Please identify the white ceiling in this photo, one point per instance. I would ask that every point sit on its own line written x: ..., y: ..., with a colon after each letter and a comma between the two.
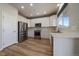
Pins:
x: 37, y: 9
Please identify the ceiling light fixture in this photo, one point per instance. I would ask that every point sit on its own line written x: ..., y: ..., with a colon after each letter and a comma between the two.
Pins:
x: 22, y: 7
x: 31, y: 4
x: 44, y: 12
x: 58, y: 5
x: 37, y: 13
x: 31, y: 14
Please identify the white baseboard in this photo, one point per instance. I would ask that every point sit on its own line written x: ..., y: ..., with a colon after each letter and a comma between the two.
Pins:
x: 16, y: 42
x: 7, y: 46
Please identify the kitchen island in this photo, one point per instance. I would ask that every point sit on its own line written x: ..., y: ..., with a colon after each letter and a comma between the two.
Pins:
x: 65, y: 44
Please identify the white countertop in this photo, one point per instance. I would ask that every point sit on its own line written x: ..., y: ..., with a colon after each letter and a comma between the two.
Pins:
x: 66, y: 35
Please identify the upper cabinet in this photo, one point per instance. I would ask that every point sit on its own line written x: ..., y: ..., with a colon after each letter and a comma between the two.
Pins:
x: 53, y: 20
x: 23, y: 19
x: 44, y: 22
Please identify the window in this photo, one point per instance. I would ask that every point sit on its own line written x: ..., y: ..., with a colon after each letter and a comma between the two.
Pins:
x: 60, y: 21
x: 63, y: 21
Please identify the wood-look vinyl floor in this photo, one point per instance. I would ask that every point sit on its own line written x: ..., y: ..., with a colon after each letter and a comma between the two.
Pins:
x: 30, y: 47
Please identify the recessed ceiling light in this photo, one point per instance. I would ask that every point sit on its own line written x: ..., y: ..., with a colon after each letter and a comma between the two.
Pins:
x: 37, y: 13
x: 22, y: 7
x: 58, y: 5
x: 31, y: 4
x: 44, y: 12
x: 31, y: 14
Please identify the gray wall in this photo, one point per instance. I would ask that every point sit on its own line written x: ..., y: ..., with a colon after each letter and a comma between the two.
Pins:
x: 73, y: 13
x: 72, y: 10
x: 69, y: 46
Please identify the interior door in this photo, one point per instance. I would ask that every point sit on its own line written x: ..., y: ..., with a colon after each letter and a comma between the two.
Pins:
x: 9, y: 30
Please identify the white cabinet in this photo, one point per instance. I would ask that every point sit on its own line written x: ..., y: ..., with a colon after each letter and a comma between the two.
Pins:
x: 29, y: 23
x: 23, y: 19
x: 65, y: 44
x: 32, y: 23
x: 53, y: 20
x: 44, y: 22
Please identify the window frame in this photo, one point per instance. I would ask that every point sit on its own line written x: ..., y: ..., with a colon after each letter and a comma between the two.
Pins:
x: 62, y: 23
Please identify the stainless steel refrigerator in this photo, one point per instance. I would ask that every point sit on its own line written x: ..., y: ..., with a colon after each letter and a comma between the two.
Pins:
x: 22, y: 31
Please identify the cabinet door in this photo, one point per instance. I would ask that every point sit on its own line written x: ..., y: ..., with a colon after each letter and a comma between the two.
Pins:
x: 9, y: 30
x: 53, y: 21
x: 45, y: 22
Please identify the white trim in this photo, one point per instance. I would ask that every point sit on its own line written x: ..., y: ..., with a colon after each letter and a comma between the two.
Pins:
x: 61, y: 5
x: 7, y: 46
x: 16, y: 42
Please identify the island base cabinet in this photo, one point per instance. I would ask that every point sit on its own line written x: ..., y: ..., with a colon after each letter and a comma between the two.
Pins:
x: 66, y: 47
